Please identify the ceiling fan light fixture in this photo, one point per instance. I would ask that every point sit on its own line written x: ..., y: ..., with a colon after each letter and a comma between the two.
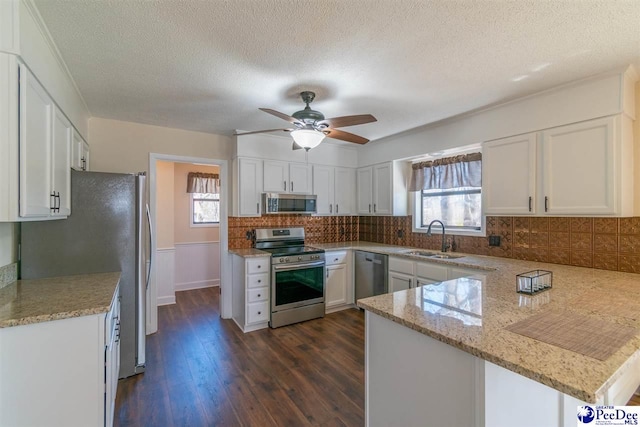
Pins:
x: 307, y: 138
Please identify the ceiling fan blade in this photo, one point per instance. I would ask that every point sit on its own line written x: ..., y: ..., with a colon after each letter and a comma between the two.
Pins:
x: 345, y: 136
x: 282, y: 116
x: 338, y: 122
x: 263, y: 131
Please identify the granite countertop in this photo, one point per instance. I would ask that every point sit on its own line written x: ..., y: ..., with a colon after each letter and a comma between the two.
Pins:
x: 249, y: 253
x: 26, y: 302
x: 605, y: 295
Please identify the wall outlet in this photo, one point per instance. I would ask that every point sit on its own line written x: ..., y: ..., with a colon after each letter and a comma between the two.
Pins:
x: 400, y: 234
x: 494, y: 240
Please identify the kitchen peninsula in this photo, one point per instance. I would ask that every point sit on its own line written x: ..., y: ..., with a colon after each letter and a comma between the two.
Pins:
x: 435, y: 361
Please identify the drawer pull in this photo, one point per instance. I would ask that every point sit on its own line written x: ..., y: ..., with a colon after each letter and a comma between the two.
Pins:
x: 336, y: 259
x: 259, y: 280
x: 259, y: 313
x: 259, y: 266
x: 259, y: 295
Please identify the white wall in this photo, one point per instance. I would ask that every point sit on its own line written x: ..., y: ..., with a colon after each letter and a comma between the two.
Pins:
x: 587, y: 99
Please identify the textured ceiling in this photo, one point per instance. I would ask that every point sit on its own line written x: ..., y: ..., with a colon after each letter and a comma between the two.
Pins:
x: 209, y: 65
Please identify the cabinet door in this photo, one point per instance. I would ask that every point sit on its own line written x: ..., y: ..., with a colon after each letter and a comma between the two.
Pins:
x: 336, y: 287
x: 509, y: 175
x: 323, y: 188
x: 36, y: 109
x: 399, y: 281
x: 249, y: 175
x: 61, y: 166
x: 365, y: 190
x: 383, y: 189
x: 276, y: 176
x: 578, y: 168
x: 344, y: 193
x: 299, y: 178
x: 76, y: 151
x: 85, y: 156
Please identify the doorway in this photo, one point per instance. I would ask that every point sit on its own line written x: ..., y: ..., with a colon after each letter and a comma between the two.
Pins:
x: 213, y: 248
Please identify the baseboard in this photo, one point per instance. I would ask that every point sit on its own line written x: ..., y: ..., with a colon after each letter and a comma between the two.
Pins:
x: 339, y: 308
x: 166, y: 300
x: 188, y: 286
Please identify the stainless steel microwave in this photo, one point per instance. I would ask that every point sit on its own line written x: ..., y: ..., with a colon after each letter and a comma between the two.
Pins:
x: 282, y: 203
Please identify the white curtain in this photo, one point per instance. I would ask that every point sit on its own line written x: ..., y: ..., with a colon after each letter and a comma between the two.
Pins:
x: 198, y: 182
x: 450, y: 172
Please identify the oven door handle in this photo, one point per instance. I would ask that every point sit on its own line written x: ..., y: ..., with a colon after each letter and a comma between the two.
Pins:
x: 298, y: 266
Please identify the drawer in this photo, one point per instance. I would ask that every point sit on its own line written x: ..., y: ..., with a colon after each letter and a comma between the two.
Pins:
x: 257, y: 294
x: 431, y: 271
x: 258, y: 265
x: 401, y: 265
x: 257, y: 280
x: 257, y: 312
x: 331, y: 258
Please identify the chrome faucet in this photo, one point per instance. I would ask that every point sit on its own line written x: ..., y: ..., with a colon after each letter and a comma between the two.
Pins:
x: 445, y: 246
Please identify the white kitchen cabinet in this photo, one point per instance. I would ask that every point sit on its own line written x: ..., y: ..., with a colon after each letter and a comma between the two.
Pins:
x: 286, y: 177
x: 61, y: 372
x: 335, y: 190
x: 580, y: 169
x: 405, y: 273
x: 251, y: 278
x: 382, y: 189
x: 509, y: 175
x: 61, y: 164
x: 430, y: 272
x: 338, y: 286
x: 247, y: 187
x: 79, y: 153
x: 400, y: 281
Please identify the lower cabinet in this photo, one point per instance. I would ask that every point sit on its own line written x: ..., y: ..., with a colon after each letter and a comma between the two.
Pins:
x: 62, y: 372
x: 338, y: 285
x: 405, y: 273
x: 251, y: 278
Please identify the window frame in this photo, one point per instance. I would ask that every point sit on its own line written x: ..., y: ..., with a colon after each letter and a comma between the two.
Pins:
x: 417, y: 227
x: 193, y: 224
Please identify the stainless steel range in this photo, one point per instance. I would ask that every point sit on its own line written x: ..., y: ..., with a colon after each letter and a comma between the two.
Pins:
x: 297, y: 275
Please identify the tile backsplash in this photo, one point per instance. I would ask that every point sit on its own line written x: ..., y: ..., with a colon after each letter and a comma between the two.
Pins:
x: 604, y: 243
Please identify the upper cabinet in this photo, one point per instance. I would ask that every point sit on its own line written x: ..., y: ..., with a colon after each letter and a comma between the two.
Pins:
x: 286, y: 177
x: 578, y: 169
x: 382, y: 189
x: 247, y: 187
x: 509, y: 175
x: 335, y: 189
x: 79, y: 153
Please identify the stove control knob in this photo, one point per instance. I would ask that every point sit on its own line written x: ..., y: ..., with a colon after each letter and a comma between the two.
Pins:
x: 286, y: 259
x: 281, y: 260
x: 299, y: 258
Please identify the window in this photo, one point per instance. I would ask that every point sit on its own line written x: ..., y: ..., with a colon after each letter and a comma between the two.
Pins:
x: 450, y: 190
x: 458, y: 208
x: 205, y: 209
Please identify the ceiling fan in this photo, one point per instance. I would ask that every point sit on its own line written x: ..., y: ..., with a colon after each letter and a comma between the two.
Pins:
x: 311, y: 127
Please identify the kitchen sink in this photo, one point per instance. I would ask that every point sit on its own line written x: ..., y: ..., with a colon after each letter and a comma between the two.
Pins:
x: 428, y: 254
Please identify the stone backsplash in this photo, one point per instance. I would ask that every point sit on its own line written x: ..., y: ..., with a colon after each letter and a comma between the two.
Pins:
x: 604, y: 243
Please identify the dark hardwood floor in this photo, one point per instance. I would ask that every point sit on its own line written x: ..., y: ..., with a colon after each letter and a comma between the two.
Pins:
x: 203, y: 371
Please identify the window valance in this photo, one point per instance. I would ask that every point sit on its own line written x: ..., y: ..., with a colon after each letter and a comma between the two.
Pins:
x: 464, y: 170
x: 198, y: 182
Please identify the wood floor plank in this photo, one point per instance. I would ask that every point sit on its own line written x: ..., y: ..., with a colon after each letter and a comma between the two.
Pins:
x: 204, y: 371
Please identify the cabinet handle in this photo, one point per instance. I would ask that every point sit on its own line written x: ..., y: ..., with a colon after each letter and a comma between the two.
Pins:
x: 58, y: 207
x: 258, y: 207
x: 52, y: 201
x: 374, y: 208
x: 327, y: 274
x: 546, y: 203
x: 292, y: 186
x: 285, y: 185
x: 530, y: 199
x: 369, y: 207
x: 336, y: 208
x: 330, y: 208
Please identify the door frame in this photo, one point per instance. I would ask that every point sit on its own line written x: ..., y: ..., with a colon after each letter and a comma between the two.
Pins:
x: 225, y: 271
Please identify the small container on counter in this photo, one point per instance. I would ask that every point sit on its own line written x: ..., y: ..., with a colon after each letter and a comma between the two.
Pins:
x: 534, y: 281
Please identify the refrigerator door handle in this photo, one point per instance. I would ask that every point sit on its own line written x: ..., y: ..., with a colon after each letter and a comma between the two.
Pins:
x: 150, y: 246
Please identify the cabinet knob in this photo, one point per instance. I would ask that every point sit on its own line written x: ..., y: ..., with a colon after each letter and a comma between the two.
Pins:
x: 259, y: 295
x: 336, y: 259
x: 259, y: 266
x: 259, y: 312
x: 259, y: 280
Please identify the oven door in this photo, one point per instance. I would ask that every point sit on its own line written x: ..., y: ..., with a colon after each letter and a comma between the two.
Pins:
x: 297, y: 285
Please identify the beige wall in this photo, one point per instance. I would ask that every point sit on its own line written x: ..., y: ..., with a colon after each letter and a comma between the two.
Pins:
x: 8, y: 243
x: 118, y: 146
x: 183, y: 232
x: 165, y: 203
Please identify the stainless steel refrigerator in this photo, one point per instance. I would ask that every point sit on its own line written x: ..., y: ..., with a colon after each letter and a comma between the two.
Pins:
x: 105, y: 232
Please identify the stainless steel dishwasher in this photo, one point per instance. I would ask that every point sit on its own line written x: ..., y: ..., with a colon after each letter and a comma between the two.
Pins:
x: 371, y: 274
